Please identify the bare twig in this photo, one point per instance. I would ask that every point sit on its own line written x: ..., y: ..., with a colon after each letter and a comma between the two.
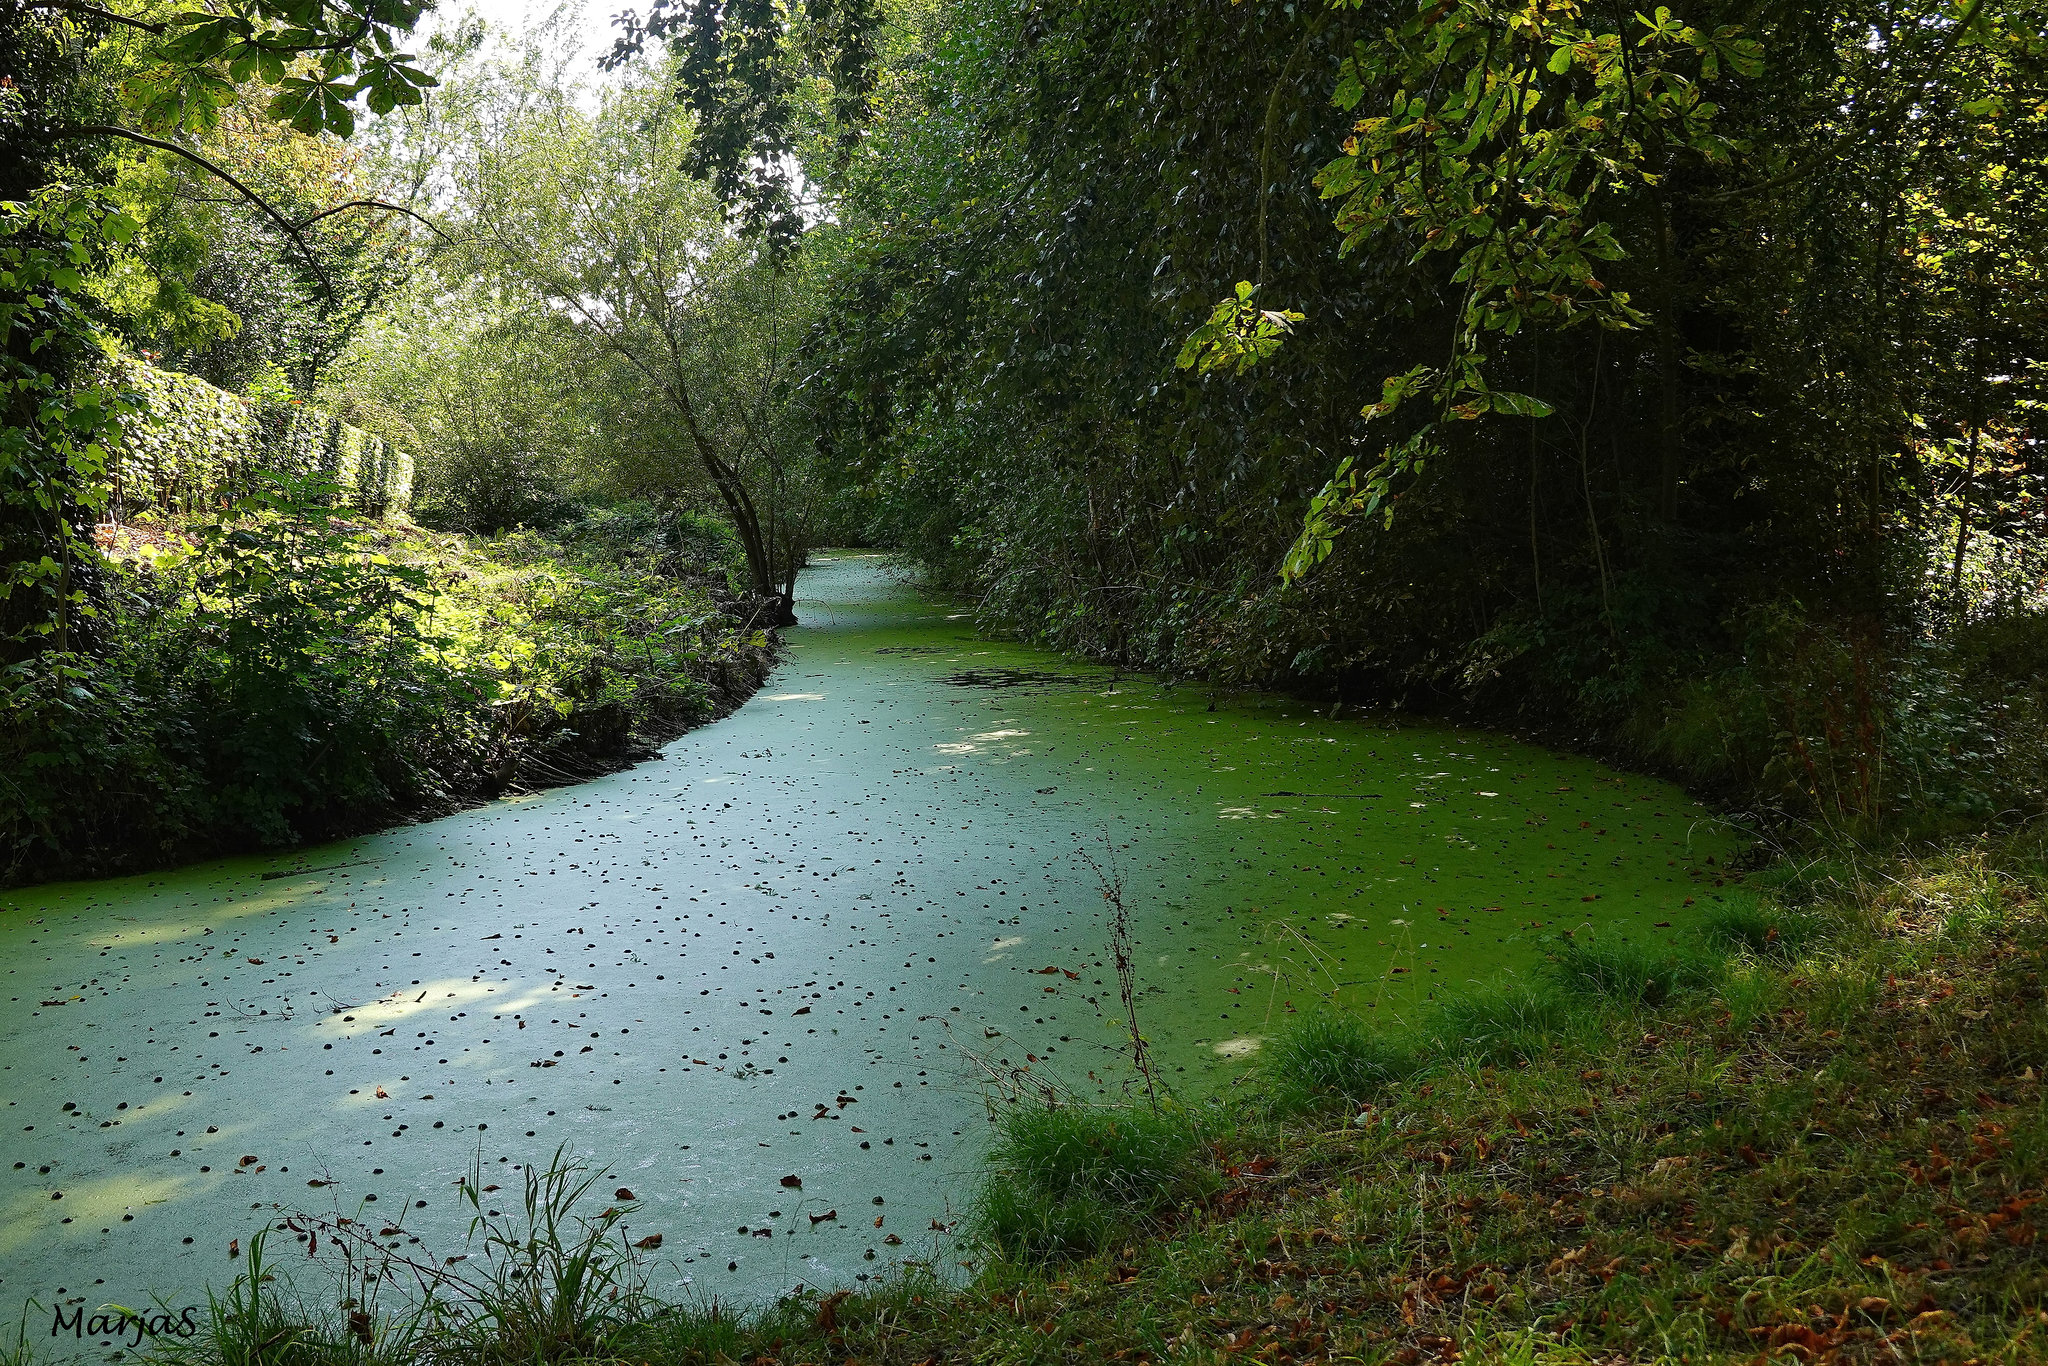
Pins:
x: 382, y: 204
x: 1109, y: 877
x: 1004, y: 1083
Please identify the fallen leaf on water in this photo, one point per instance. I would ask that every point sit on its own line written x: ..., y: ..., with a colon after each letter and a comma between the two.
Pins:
x: 831, y: 1215
x: 383, y: 1094
x: 793, y: 1182
x: 622, y: 1193
x: 257, y: 961
x: 649, y: 1243
x: 234, y: 1247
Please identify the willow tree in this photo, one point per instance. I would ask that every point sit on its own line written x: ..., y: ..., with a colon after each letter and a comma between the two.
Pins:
x: 591, y: 212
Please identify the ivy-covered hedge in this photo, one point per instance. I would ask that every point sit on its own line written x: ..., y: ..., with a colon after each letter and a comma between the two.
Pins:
x: 189, y: 444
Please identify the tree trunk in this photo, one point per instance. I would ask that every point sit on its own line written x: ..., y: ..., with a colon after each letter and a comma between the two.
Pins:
x: 1955, y: 585
x: 746, y: 521
x: 1668, y: 455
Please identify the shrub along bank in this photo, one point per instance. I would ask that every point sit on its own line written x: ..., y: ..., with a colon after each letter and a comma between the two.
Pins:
x: 285, y: 672
x: 1818, y: 1135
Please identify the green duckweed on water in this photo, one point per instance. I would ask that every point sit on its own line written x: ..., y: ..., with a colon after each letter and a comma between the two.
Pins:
x: 792, y: 947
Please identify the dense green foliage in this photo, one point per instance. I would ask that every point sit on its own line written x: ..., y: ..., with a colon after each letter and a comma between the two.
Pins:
x: 596, y: 330
x: 199, y: 650
x: 124, y: 229
x: 1679, y: 375
x: 1669, y: 379
x: 739, y: 70
x: 281, y: 673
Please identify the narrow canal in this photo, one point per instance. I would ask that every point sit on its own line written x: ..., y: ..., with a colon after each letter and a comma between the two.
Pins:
x: 794, y: 946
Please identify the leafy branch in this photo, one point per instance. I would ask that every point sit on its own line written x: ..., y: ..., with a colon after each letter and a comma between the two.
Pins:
x: 321, y: 57
x: 1238, y: 335
x: 1506, y: 129
x: 285, y: 225
x: 740, y: 65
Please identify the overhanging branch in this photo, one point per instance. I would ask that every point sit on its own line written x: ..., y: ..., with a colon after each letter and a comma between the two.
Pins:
x: 382, y: 204
x: 95, y: 12
x: 115, y: 130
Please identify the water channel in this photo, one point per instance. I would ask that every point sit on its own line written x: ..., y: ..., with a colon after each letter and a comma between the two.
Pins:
x: 793, y: 946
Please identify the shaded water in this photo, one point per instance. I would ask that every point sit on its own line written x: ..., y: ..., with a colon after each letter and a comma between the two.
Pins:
x: 792, y: 946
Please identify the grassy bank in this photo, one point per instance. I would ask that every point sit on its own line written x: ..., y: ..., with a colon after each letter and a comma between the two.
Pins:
x: 1819, y: 1136
x: 284, y: 672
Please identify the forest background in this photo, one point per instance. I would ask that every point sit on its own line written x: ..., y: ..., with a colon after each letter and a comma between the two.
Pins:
x: 1668, y: 382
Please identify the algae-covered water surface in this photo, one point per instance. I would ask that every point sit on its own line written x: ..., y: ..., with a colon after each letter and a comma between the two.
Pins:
x: 792, y: 947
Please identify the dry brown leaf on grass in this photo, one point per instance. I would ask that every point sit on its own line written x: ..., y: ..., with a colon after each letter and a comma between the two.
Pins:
x: 828, y: 1310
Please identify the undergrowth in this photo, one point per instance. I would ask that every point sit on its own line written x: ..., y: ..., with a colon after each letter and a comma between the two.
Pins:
x: 1333, y: 1057
x: 282, y: 672
x: 1073, y: 1178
